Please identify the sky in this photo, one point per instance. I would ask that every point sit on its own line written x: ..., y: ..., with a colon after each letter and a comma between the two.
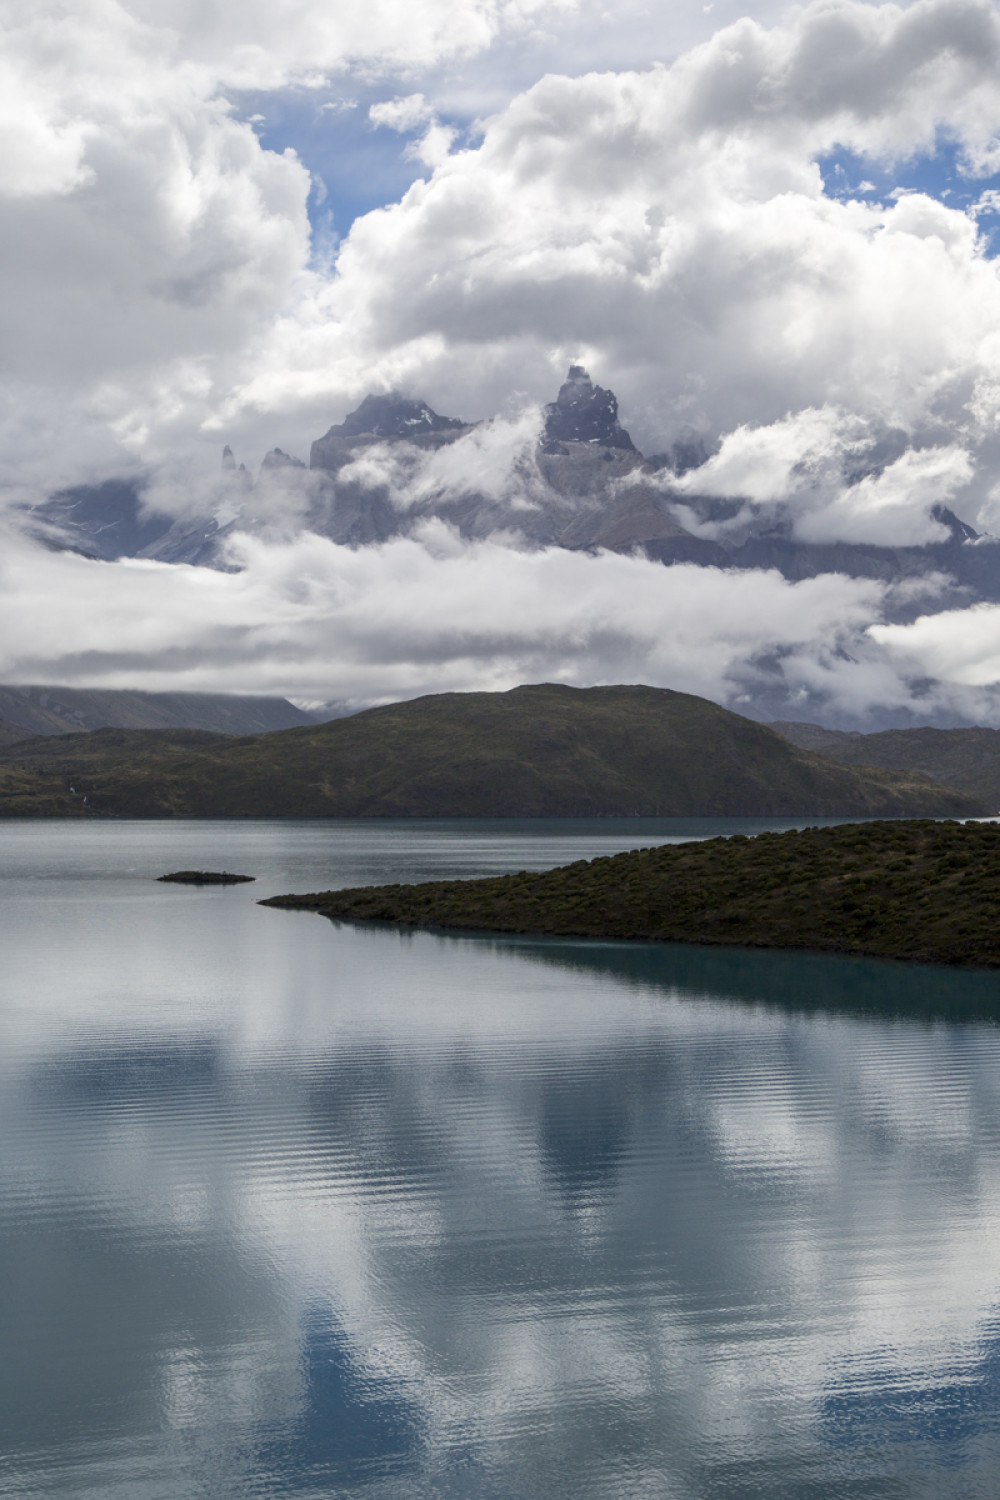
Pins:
x: 773, y: 228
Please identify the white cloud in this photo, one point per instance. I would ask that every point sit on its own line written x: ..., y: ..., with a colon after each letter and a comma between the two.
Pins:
x: 41, y: 146
x: 670, y: 228
x: 430, y: 613
x: 266, y: 43
x: 417, y: 614
x: 403, y: 114
x: 958, y: 645
x: 892, y: 508
x: 494, y: 459
x: 409, y: 114
x: 800, y: 470
x: 764, y: 464
x: 986, y: 203
x: 149, y: 240
x: 666, y: 225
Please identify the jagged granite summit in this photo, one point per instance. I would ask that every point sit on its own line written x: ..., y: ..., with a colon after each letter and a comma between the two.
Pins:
x: 584, y: 413
x: 585, y: 485
x: 391, y: 416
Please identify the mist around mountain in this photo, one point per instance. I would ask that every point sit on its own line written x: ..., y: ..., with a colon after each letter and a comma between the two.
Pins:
x: 811, y: 554
x: 567, y: 477
x: 542, y: 750
x: 576, y: 481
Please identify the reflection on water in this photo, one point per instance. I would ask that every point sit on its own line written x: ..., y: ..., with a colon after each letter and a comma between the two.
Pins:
x: 292, y: 1208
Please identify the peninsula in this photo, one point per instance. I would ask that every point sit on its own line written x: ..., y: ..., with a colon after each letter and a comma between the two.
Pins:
x: 909, y: 889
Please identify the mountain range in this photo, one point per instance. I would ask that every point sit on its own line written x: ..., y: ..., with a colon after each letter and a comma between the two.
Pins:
x: 581, y: 483
x: 541, y: 750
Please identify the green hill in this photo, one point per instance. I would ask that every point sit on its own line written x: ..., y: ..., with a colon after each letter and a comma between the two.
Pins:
x: 907, y: 890
x: 538, y: 751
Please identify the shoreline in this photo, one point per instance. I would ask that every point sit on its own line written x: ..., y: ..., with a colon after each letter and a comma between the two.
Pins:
x: 918, y: 891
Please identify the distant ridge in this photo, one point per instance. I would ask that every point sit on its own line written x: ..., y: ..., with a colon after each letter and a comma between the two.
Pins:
x: 39, y: 710
x: 544, y: 750
x: 967, y: 758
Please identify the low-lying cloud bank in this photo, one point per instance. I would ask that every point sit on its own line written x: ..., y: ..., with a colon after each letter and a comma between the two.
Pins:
x: 429, y: 613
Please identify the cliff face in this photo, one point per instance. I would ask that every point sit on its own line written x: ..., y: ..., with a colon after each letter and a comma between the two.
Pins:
x: 584, y: 413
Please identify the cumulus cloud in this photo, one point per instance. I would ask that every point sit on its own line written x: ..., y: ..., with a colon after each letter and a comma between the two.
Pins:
x: 670, y: 228
x: 147, y: 236
x: 150, y: 241
x: 267, y: 43
x: 402, y: 114
x: 412, y: 113
x: 666, y: 225
x: 894, y: 507
x: 958, y: 645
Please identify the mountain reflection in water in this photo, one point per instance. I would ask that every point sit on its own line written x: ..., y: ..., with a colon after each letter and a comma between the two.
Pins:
x: 296, y: 1208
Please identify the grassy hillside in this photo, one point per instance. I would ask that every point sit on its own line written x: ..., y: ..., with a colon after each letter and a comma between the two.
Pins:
x: 906, y: 890
x: 540, y: 751
x: 964, y: 758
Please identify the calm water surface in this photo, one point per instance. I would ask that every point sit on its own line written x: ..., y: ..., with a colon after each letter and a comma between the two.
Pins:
x: 293, y: 1208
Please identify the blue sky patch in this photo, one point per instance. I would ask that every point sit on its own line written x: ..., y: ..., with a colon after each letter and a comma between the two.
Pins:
x: 847, y: 174
x: 357, y: 166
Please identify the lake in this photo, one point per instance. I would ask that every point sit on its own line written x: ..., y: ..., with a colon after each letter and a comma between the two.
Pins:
x: 292, y: 1208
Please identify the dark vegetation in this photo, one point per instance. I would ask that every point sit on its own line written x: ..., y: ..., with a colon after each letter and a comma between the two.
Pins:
x: 538, y: 751
x: 965, y: 758
x: 917, y: 889
x: 206, y: 877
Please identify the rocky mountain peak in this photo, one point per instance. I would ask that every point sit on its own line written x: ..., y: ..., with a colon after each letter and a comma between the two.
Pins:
x: 959, y: 531
x: 392, y: 416
x: 279, y: 459
x: 585, y: 413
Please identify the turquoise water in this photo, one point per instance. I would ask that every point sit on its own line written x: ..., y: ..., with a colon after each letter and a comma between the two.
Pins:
x: 295, y: 1208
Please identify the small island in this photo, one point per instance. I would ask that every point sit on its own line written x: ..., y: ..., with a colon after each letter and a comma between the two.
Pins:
x: 206, y: 877
x: 917, y: 890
